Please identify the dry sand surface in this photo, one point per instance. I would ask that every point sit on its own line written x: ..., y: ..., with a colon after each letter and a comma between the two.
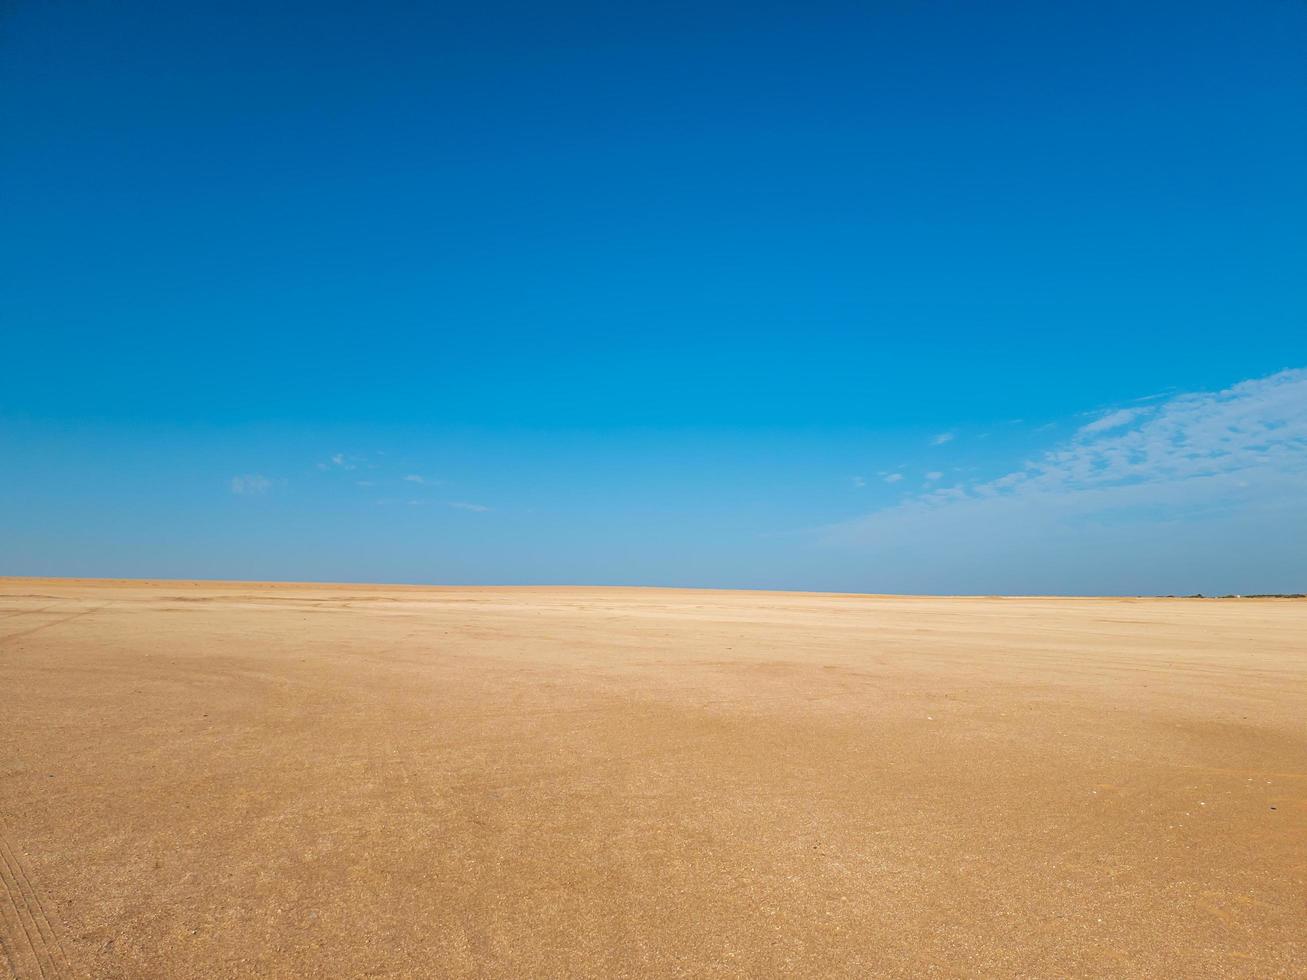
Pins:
x: 238, y: 779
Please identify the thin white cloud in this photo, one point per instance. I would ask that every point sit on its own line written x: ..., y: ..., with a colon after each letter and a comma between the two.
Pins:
x: 338, y: 461
x: 894, y: 478
x: 250, y: 484
x: 934, y: 475
x: 943, y: 437
x: 1182, y: 473
x: 464, y: 505
x: 1112, y: 420
x: 859, y: 481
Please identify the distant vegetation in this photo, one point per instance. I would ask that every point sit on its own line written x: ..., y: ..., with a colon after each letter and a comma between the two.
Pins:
x: 1260, y: 595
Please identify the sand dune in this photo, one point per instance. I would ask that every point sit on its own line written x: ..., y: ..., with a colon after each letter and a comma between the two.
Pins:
x: 243, y: 779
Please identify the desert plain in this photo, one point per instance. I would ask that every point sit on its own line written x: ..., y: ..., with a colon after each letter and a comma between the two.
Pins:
x: 203, y: 779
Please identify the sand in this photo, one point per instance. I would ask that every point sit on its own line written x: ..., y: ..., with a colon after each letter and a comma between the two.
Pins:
x: 240, y: 779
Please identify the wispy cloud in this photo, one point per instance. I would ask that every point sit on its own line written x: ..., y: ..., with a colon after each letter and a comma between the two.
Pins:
x: 464, y: 505
x: 859, y: 481
x: 934, y: 475
x: 894, y: 478
x: 1178, y: 471
x: 250, y: 484
x: 942, y: 438
x: 338, y: 461
x: 1112, y: 420
x: 424, y: 481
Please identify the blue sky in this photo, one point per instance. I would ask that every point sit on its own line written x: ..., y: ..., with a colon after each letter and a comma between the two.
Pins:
x: 657, y: 294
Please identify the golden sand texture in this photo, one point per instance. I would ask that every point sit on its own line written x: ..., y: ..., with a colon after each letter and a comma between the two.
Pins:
x: 240, y: 779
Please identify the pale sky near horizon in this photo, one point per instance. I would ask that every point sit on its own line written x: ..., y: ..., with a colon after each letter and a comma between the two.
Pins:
x: 909, y: 297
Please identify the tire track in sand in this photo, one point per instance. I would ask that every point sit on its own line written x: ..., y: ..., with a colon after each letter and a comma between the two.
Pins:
x: 54, y: 622
x: 30, y: 612
x: 31, y: 940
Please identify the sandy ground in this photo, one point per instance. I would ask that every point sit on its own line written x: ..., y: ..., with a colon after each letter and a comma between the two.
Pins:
x: 208, y: 780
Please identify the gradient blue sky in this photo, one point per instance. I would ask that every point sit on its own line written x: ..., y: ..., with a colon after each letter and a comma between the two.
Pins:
x: 931, y: 297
